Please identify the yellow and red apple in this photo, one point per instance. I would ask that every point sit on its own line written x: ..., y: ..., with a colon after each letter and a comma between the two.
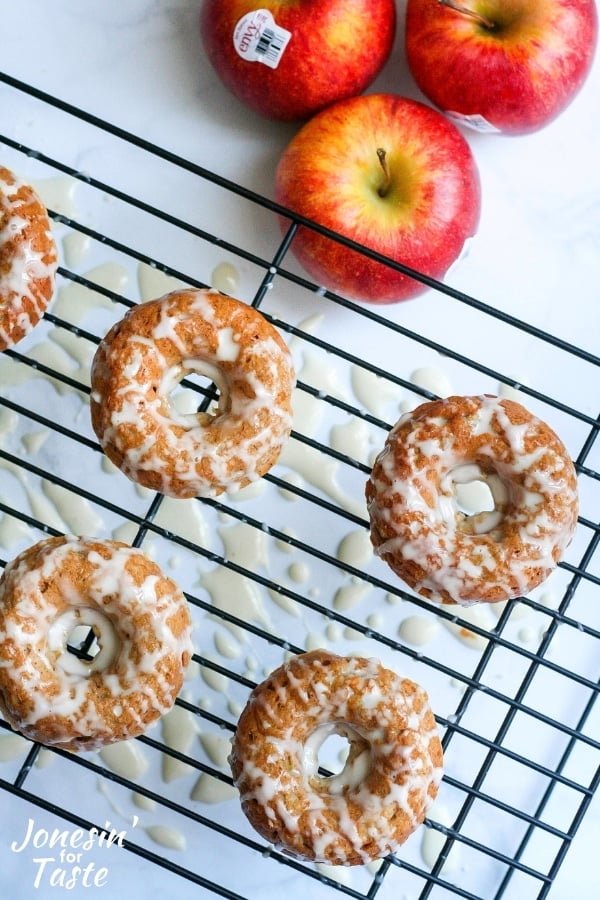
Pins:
x: 287, y: 59
x: 508, y: 66
x: 390, y: 173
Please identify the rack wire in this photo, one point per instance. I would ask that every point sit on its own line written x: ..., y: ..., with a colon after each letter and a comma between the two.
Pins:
x: 517, y: 714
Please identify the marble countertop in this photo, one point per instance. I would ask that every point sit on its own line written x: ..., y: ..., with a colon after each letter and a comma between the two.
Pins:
x: 139, y: 65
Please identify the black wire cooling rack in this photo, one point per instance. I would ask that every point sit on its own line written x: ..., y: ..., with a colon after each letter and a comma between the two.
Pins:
x: 514, y: 690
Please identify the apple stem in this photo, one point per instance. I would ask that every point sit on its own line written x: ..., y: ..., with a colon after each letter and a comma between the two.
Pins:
x: 459, y: 8
x: 387, y: 175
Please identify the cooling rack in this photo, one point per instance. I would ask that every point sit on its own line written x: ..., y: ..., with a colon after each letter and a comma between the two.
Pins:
x: 286, y: 566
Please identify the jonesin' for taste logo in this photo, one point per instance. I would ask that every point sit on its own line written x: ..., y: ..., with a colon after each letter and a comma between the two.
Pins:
x: 59, y: 857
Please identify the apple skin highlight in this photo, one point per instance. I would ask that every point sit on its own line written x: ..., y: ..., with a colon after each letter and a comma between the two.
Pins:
x: 331, y: 173
x: 336, y: 50
x: 515, y: 77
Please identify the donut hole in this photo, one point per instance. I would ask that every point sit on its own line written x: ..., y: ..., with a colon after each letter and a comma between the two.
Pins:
x: 337, y: 757
x: 474, y: 497
x: 333, y: 754
x: 479, y: 500
x: 194, y: 393
x: 83, y: 642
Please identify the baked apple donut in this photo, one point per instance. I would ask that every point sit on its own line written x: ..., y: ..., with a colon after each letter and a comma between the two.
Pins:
x: 146, y: 354
x: 391, y: 775
x: 417, y: 526
x: 28, y: 259
x: 140, y: 621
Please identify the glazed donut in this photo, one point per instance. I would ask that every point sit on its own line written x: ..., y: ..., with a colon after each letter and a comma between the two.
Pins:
x: 145, y: 355
x: 417, y: 526
x: 141, y: 624
x: 390, y: 778
x: 28, y: 259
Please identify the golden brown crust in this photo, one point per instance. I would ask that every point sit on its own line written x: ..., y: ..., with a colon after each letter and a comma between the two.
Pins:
x: 28, y: 259
x: 153, y: 346
x: 391, y: 774
x: 142, y: 624
x: 439, y: 551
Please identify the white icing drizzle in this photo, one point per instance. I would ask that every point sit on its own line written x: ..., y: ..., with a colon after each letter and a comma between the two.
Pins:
x: 44, y: 758
x: 8, y: 421
x: 355, y: 548
x: 250, y: 492
x: 126, y: 758
x: 33, y: 441
x: 316, y: 372
x: 152, y: 282
x: 376, y: 620
x: 75, y: 302
x: 287, y: 604
x: 352, y: 439
x: 50, y: 354
x: 226, y: 646
x: 58, y: 193
x: 433, y: 840
x: 12, y: 746
x: 209, y: 789
x: 76, y: 247
x: 510, y: 392
x: 225, y: 277
x: 41, y: 508
x: 373, y: 392
x: 178, y: 729
x: 295, y: 480
x: 80, y: 351
x: 433, y: 380
x: 235, y: 594
x: 336, y: 873
x: 321, y: 472
x: 76, y: 512
x: 215, y: 680
x: 217, y: 748
x: 416, y: 520
x: 298, y: 572
x: 418, y: 630
x: 308, y: 463
x: 165, y: 836
x: 13, y: 531
x: 245, y: 545
x: 479, y: 614
x: 185, y: 519
x: 143, y: 802
x: 350, y: 595
x: 315, y: 641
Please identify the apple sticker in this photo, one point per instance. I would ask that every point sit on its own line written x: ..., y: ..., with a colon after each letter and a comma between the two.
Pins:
x: 257, y: 38
x: 474, y: 121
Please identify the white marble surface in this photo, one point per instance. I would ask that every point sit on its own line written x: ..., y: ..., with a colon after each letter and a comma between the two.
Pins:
x: 138, y: 64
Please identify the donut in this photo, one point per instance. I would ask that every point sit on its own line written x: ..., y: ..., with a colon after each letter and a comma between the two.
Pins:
x: 146, y: 354
x: 28, y: 259
x: 418, y: 528
x: 139, y: 618
x: 390, y: 777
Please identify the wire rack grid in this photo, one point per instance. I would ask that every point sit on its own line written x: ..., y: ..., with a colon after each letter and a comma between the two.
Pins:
x: 285, y: 566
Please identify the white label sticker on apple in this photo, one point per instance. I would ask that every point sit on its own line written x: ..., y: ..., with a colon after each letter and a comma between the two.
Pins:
x: 476, y: 122
x: 258, y: 38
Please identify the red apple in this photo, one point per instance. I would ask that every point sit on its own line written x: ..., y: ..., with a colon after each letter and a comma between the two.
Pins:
x: 501, y: 65
x: 287, y: 60
x: 393, y: 175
